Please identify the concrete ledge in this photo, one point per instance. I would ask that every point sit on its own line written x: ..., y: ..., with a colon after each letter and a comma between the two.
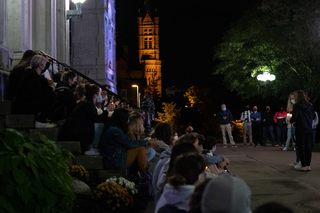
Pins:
x: 20, y: 121
x: 90, y: 162
x: 105, y: 174
x: 72, y: 146
x: 5, y: 107
x: 51, y: 133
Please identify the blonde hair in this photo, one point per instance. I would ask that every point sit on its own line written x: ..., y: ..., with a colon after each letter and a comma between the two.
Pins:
x: 135, y: 126
x: 290, y: 104
x: 36, y: 61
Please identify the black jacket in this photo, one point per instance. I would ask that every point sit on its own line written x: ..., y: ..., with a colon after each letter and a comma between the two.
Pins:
x: 79, y: 126
x: 302, y: 118
x: 267, y: 118
x: 66, y: 100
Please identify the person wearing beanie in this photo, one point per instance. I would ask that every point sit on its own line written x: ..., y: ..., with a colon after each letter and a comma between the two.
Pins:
x: 227, y: 194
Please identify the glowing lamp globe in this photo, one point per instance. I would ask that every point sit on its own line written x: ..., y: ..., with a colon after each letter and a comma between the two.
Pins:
x: 266, y: 76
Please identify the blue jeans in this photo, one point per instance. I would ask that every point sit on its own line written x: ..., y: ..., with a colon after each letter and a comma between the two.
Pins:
x: 267, y: 129
x: 150, y: 154
x: 98, y: 130
x: 281, y: 134
x: 289, y: 137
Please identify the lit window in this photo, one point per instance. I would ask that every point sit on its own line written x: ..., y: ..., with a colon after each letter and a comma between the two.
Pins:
x: 150, y: 44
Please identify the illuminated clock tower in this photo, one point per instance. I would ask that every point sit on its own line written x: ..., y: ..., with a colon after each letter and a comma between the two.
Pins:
x: 148, y: 35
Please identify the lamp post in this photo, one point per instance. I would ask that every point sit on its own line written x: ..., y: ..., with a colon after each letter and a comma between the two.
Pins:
x: 138, y: 99
x: 77, y: 11
x: 265, y: 77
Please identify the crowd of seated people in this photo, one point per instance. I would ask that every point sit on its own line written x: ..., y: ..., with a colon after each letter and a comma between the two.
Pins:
x: 180, y: 180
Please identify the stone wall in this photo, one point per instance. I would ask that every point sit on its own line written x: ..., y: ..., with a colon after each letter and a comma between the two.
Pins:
x: 93, y: 42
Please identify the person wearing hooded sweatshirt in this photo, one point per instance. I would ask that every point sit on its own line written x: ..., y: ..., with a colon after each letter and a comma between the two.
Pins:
x: 177, y: 193
x: 162, y: 168
x: 226, y: 194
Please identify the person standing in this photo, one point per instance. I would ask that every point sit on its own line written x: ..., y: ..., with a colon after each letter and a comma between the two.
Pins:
x: 281, y: 125
x: 225, y: 118
x: 267, y: 123
x: 245, y: 117
x: 302, y: 116
x: 256, y: 127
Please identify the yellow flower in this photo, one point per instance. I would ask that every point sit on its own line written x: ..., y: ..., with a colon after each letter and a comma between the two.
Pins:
x: 118, y: 204
x: 113, y: 208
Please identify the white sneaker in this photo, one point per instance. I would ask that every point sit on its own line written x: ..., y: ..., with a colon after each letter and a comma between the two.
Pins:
x: 40, y: 125
x: 92, y: 151
x: 297, y: 166
x: 285, y: 148
x: 293, y: 164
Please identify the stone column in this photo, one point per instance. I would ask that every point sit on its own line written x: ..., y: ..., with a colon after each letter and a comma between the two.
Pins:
x: 93, y: 42
x: 19, y: 27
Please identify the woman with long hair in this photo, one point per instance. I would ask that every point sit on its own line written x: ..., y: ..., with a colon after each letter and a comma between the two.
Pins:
x: 177, y: 192
x: 35, y: 95
x: 79, y: 126
x: 115, y: 146
x: 17, y: 74
x: 302, y: 117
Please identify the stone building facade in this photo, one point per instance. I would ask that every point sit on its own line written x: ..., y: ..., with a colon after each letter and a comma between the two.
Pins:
x: 43, y: 25
x: 93, y: 42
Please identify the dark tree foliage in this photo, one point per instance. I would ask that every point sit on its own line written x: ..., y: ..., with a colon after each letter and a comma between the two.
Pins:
x: 282, y: 36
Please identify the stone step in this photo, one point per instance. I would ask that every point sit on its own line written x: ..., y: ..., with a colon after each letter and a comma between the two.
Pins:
x: 72, y: 146
x: 51, y: 133
x: 5, y: 107
x: 19, y: 121
x: 89, y: 162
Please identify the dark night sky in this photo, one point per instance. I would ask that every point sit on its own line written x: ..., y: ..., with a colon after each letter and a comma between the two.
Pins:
x: 189, y: 33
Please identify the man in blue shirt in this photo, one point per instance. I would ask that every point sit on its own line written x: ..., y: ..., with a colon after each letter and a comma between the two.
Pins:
x: 225, y: 118
x: 256, y: 127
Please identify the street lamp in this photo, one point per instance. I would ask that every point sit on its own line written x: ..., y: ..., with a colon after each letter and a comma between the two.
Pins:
x: 265, y: 77
x: 138, y: 99
x: 77, y: 11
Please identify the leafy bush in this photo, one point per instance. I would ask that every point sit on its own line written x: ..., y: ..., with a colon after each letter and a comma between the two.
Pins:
x: 33, y: 175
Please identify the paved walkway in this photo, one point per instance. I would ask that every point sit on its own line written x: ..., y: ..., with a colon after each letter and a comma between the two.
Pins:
x: 267, y: 172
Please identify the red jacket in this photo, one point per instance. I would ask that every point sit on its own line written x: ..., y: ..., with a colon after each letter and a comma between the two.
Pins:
x: 279, y: 115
